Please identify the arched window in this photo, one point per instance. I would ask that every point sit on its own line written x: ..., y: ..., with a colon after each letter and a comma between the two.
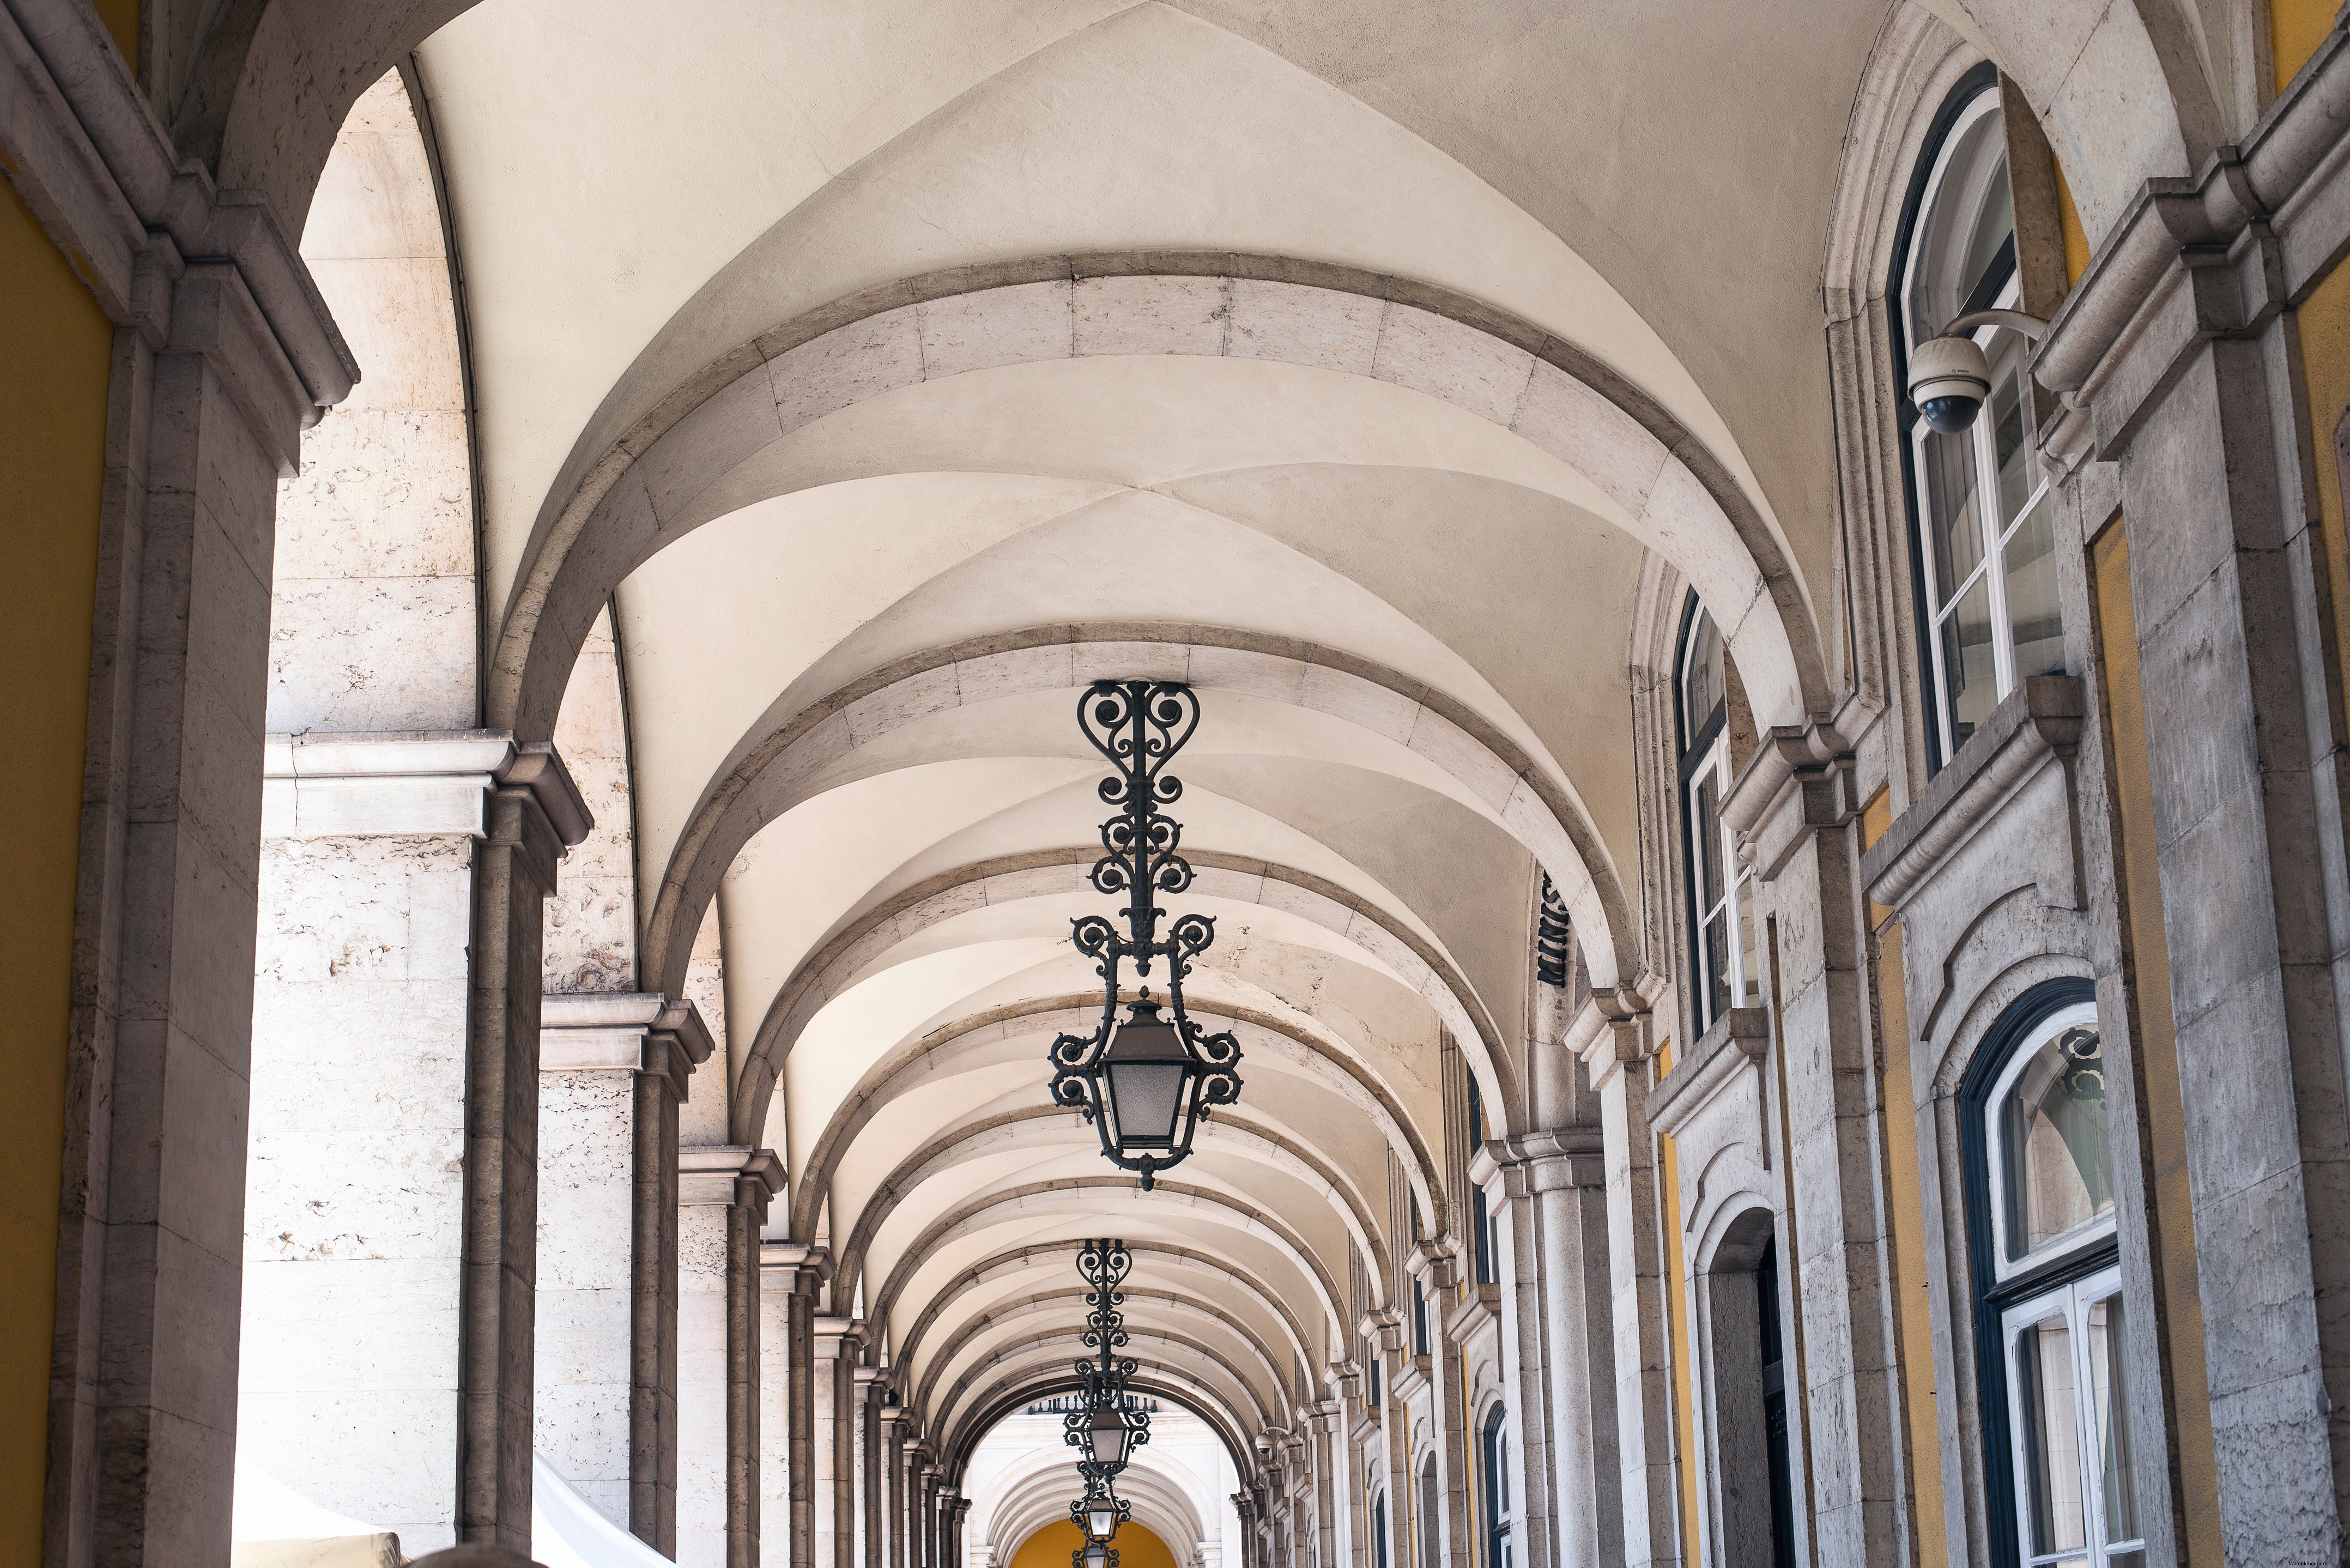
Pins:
x: 1419, y: 1318
x: 2048, y: 1317
x: 1488, y: 1243
x: 1374, y: 1371
x: 1380, y: 1530
x: 1986, y: 542
x: 1495, y: 1457
x: 1717, y: 736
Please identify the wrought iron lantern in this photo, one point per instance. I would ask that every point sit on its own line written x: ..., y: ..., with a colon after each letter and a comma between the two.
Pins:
x: 1107, y: 1425
x: 1094, y: 1554
x: 1144, y: 1082
x: 1101, y: 1510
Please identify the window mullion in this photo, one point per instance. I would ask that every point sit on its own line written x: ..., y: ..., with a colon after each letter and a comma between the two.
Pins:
x: 1993, y: 529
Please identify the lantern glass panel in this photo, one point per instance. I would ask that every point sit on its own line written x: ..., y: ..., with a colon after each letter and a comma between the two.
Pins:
x: 1108, y: 1433
x: 1101, y: 1520
x: 1146, y: 1066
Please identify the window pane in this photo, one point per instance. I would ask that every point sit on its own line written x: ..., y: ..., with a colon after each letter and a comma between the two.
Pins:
x: 1963, y: 228
x: 2110, y: 1418
x: 1705, y: 831
x: 2032, y: 612
x: 2011, y: 449
x: 1956, y: 533
x: 1717, y: 966
x: 1749, y: 972
x: 2053, y: 1139
x: 2046, y: 1420
x: 1702, y: 686
x: 1967, y: 672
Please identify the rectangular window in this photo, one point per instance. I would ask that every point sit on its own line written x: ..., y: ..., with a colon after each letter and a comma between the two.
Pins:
x: 2067, y: 1429
x: 1989, y: 551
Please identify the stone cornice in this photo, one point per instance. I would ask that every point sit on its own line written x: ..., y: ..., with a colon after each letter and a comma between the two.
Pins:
x: 1434, y: 1258
x: 88, y: 153
x: 2040, y: 719
x: 2214, y: 254
x: 1738, y: 1039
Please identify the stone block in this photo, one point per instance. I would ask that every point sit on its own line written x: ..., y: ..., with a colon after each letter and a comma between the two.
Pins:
x: 371, y: 653
x: 1375, y: 708
x: 1013, y: 325
x: 1247, y: 673
x: 1150, y: 314
x: 737, y: 421
x: 1591, y: 435
x: 1318, y: 326
x: 1091, y: 661
x: 1016, y: 671
x: 846, y: 366
x: 903, y: 702
x: 1463, y: 757
x: 1447, y: 359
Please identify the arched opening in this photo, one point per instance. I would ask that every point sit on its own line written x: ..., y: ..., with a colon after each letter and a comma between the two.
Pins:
x: 1751, y: 1494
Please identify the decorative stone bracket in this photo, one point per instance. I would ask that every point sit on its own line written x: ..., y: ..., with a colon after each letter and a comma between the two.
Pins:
x: 1435, y: 1260
x: 1549, y: 1161
x: 1799, y: 782
x: 1739, y: 1041
x: 729, y: 1173
x: 2041, y: 720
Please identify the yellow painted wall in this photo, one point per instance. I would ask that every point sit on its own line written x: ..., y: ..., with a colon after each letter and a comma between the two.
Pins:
x: 1137, y: 1547
x: 2295, y: 29
x: 53, y: 351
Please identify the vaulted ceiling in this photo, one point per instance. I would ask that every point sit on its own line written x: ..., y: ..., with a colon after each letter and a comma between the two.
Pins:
x: 892, y: 370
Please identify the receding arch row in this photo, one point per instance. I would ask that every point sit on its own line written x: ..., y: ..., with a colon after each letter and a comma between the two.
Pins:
x: 1339, y: 1069
x: 1034, y: 1493
x: 1034, y: 1199
x: 844, y: 961
x: 956, y: 1442
x: 641, y: 491
x: 1015, y: 1130
x: 1068, y: 1336
x: 999, y: 1314
x: 780, y: 762
x: 1057, y: 1255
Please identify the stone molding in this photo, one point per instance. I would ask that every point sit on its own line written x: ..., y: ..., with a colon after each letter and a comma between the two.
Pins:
x: 2040, y: 720
x: 2214, y: 254
x: 1739, y: 1039
x: 411, y: 783
x: 1611, y: 1031
x: 799, y: 1266
x: 633, y: 1032
x: 1433, y: 1257
x: 1800, y: 780
x: 1551, y: 1161
x: 1384, y: 1325
x: 719, y: 1174
x: 91, y: 159
x: 1479, y: 1310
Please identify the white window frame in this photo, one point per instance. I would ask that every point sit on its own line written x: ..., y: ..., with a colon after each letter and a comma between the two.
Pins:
x: 1713, y: 764
x: 2072, y: 1302
x: 1983, y: 439
x: 2086, y: 1233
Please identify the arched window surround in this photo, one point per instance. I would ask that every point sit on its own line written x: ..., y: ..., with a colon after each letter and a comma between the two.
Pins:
x: 1494, y: 1482
x: 1717, y: 889
x: 2068, y: 1276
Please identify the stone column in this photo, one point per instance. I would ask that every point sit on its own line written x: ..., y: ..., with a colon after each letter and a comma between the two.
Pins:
x: 893, y: 1463
x: 217, y: 367
x: 788, y: 1271
x: 376, y: 1245
x: 1612, y: 1036
x: 836, y: 1350
x: 872, y: 1385
x: 1554, y: 1207
x: 2186, y: 368
x: 613, y: 1069
x: 1438, y: 1270
x: 1797, y: 816
x: 928, y: 1501
x: 723, y: 1194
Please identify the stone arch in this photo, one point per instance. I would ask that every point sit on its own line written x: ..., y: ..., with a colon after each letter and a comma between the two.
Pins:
x: 974, y: 1388
x: 1034, y: 1492
x: 841, y: 962
x: 1014, y: 1129
x: 957, y: 1441
x: 776, y: 764
x: 1215, y: 1206
x: 1058, y: 1253
x: 1659, y: 478
x: 1182, y: 1305
x: 1403, y: 1136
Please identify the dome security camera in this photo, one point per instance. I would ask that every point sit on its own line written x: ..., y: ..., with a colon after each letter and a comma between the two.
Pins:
x: 1949, y: 377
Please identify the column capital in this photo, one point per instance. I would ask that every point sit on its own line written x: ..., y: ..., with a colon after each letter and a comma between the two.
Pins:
x: 1433, y: 1256
x: 837, y: 1337
x: 637, y: 1032
x: 1549, y: 1161
x: 799, y: 1267
x: 412, y: 783
x: 728, y: 1173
